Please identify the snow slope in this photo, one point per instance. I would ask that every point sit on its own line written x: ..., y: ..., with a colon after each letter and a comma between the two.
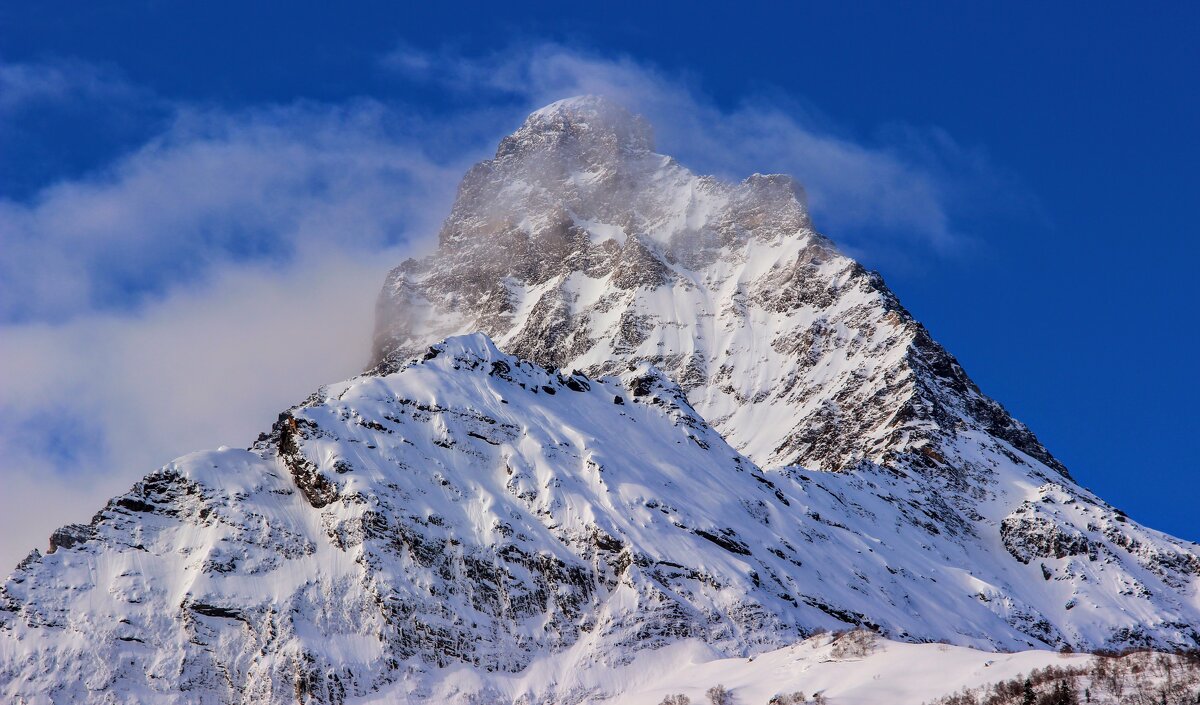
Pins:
x: 476, y: 509
x: 892, y: 672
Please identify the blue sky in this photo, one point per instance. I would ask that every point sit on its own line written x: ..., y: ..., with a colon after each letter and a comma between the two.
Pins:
x: 217, y: 189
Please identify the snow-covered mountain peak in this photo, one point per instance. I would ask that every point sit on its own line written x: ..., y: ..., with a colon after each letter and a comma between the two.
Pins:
x: 623, y: 409
x: 469, y: 345
x: 583, y: 169
x: 573, y: 251
x: 584, y: 118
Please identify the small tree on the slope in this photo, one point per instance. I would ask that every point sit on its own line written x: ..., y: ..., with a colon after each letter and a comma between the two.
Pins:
x: 718, y: 695
x: 796, y: 698
x: 678, y: 699
x: 857, y: 643
x: 1028, y: 697
x: 1062, y: 694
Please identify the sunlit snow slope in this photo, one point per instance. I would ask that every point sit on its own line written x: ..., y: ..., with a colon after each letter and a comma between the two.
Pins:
x: 888, y: 673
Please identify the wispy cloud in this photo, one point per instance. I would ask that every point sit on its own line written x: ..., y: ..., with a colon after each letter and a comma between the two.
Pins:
x: 217, y: 188
x: 60, y: 118
x: 29, y: 85
x: 902, y: 188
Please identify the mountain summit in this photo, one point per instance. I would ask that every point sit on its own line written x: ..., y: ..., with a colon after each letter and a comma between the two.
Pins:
x: 583, y: 119
x: 622, y: 410
x: 578, y: 247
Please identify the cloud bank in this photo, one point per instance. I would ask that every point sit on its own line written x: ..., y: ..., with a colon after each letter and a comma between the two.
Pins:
x: 215, y: 189
x: 180, y: 295
x: 184, y: 294
x: 89, y: 405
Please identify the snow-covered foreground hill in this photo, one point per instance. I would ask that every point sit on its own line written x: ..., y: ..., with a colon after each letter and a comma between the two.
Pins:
x: 703, y: 434
x: 889, y: 673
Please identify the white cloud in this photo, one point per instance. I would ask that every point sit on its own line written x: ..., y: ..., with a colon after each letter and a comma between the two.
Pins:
x: 217, y: 188
x: 26, y: 85
x: 92, y: 404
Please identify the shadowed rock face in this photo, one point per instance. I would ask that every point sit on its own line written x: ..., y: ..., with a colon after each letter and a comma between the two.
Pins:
x: 577, y: 246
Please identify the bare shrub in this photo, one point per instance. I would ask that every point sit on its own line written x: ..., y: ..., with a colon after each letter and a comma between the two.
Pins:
x: 857, y: 643
x: 719, y: 695
x: 677, y: 699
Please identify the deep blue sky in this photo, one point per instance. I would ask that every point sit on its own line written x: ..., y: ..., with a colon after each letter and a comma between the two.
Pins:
x: 1076, y: 309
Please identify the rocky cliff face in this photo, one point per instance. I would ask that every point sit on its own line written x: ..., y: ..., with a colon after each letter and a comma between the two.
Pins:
x: 642, y: 457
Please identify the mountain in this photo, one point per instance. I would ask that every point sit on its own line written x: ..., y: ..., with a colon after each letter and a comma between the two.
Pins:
x: 578, y: 247
x: 623, y: 412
